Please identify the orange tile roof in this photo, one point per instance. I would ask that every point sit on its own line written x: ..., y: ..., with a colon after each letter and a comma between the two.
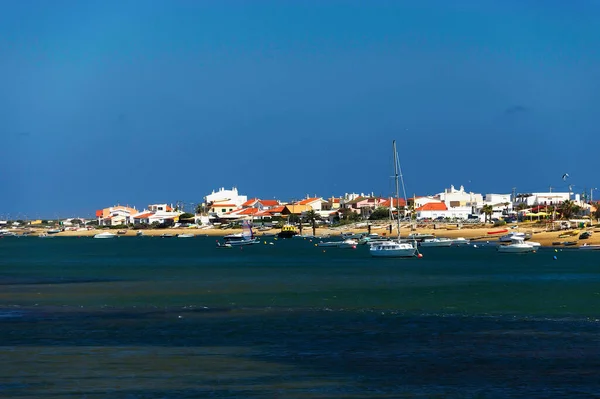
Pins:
x: 144, y: 215
x: 269, y: 202
x: 277, y: 209
x: 307, y: 201
x: 250, y: 202
x: 396, y: 202
x: 433, y: 206
x: 248, y: 211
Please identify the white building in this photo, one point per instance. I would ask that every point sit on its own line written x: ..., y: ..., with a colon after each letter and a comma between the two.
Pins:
x: 227, y: 196
x: 533, y: 199
x: 454, y: 198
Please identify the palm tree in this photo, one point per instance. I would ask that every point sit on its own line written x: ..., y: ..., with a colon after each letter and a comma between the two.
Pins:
x: 567, y: 209
x: 312, y: 217
x: 487, y: 211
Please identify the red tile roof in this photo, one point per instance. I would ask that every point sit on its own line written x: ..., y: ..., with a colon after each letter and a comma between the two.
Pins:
x: 433, y: 206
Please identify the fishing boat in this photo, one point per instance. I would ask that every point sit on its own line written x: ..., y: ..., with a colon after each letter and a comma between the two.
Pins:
x: 287, y: 231
x: 185, y: 235
x: 396, y: 248
x: 106, y: 234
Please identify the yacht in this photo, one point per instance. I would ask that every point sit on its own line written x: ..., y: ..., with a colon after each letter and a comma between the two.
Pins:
x: 396, y: 248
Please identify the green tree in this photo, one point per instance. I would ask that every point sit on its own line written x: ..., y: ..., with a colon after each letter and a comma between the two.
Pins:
x: 487, y: 210
x: 381, y: 213
x: 186, y: 216
x: 597, y: 211
x: 312, y: 216
x: 76, y: 222
x: 567, y: 209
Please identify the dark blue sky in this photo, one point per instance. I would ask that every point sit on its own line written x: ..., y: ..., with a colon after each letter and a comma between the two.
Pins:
x: 143, y: 102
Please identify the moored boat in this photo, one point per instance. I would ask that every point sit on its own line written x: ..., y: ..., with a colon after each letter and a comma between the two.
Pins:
x: 517, y: 245
x: 287, y: 231
x: 436, y: 242
x: 106, y: 234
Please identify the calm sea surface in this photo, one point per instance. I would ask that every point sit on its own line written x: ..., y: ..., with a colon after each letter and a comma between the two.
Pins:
x: 178, y: 318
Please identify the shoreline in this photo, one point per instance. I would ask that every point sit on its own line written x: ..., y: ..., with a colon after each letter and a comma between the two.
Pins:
x: 479, y: 233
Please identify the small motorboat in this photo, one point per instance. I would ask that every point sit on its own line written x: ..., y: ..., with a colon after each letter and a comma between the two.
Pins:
x: 436, y: 242
x: 185, y: 235
x: 587, y: 247
x: 517, y: 245
x: 106, y: 234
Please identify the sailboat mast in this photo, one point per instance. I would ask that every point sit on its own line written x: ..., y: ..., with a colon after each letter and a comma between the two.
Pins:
x: 397, y: 188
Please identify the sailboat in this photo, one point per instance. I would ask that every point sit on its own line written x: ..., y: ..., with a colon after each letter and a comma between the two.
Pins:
x: 395, y: 248
x: 245, y: 238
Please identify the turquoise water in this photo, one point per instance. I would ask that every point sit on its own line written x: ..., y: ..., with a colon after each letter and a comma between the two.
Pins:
x: 178, y: 318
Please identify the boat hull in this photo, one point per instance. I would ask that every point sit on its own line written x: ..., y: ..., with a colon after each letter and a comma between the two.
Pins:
x: 516, y: 248
x: 392, y: 250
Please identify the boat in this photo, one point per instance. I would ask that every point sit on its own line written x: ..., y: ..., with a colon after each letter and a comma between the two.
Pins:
x: 139, y: 233
x: 106, y: 234
x: 245, y: 238
x: 287, y: 231
x: 436, y: 242
x: 420, y: 236
x: 517, y: 245
x: 498, y: 231
x: 347, y: 243
x: 585, y: 235
x: 588, y: 247
x: 167, y: 235
x: 185, y: 235
x: 53, y: 231
x: 121, y: 232
x: 513, y: 234
x: 460, y: 241
x: 396, y: 248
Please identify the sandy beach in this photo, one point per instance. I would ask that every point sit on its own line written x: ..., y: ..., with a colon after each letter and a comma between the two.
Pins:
x: 477, y: 233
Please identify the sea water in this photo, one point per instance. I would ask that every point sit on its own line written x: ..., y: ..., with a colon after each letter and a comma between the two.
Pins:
x: 149, y: 317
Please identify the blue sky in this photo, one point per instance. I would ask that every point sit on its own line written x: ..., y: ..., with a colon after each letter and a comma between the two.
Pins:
x: 138, y: 102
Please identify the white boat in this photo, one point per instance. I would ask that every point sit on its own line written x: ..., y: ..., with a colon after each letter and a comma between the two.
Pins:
x: 139, y: 233
x: 349, y: 243
x: 513, y: 234
x: 588, y: 247
x: 436, y: 242
x: 517, y: 245
x: 106, y: 234
x: 460, y: 241
x: 420, y: 236
x: 185, y: 235
x: 53, y: 231
x: 396, y: 248
x: 244, y: 238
